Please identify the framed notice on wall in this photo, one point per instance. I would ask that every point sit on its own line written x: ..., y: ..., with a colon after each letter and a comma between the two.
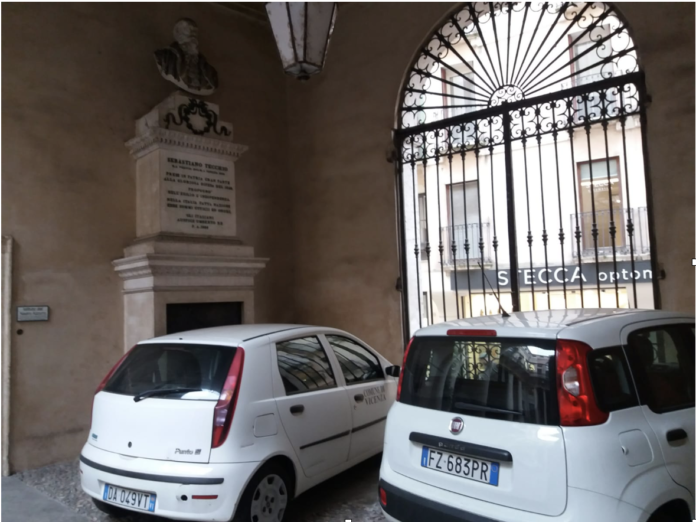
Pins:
x: 32, y: 313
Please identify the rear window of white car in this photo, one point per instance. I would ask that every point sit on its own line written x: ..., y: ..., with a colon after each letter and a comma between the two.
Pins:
x: 188, y: 371
x: 504, y: 379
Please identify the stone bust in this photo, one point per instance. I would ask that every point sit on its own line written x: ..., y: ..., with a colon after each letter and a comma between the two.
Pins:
x: 183, y: 65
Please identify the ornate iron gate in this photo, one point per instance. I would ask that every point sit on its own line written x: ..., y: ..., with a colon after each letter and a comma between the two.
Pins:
x: 517, y: 120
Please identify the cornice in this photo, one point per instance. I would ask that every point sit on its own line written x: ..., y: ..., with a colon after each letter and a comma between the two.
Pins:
x: 156, y: 137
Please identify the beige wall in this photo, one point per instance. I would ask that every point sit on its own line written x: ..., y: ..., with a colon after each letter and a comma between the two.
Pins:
x: 76, y: 76
x: 343, y: 189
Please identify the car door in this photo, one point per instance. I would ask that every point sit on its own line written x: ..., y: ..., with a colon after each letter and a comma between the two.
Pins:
x: 661, y: 356
x: 367, y: 393
x: 313, y: 408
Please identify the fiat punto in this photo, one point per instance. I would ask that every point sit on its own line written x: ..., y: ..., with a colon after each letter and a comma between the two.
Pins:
x: 233, y: 422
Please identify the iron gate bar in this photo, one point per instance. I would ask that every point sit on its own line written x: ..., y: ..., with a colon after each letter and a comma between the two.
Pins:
x: 477, y: 152
x: 578, y: 231
x: 544, y: 235
x: 497, y: 44
x: 512, y: 226
x: 636, y: 78
x: 416, y: 249
x: 401, y: 241
x: 629, y: 224
x: 453, y: 246
x: 603, y: 98
x: 466, y: 225
x: 530, y: 238
x: 507, y: 60
x: 439, y: 224
x: 643, y: 95
x: 495, y: 232
x: 427, y: 241
x: 595, y: 232
x: 561, y: 235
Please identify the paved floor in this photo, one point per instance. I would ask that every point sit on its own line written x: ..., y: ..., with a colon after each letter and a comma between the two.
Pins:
x: 53, y: 494
x: 22, y: 503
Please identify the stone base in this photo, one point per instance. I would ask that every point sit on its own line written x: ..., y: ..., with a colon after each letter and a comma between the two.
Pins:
x: 167, y: 269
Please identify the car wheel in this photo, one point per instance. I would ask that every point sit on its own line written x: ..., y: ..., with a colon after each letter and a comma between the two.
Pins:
x: 113, y: 511
x: 266, y: 497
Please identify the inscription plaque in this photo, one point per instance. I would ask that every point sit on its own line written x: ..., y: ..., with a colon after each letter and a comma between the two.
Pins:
x: 197, y: 194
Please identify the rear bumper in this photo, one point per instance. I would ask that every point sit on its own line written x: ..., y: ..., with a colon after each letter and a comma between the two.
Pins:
x: 411, y: 501
x: 169, y: 481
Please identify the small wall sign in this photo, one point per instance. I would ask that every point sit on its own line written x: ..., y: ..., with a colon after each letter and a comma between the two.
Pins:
x: 32, y: 313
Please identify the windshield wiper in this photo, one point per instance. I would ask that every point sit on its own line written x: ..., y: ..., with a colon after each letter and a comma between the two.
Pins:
x: 160, y: 392
x: 476, y: 407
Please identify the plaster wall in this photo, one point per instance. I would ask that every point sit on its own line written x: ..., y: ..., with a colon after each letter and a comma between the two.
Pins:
x: 75, y: 79
x: 345, y: 227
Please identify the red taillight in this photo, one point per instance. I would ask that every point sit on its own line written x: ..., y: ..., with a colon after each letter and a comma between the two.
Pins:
x: 112, y: 371
x: 224, y: 409
x: 473, y: 333
x: 576, y: 400
x: 204, y: 497
x: 108, y: 375
x: 403, y: 367
x: 383, y: 497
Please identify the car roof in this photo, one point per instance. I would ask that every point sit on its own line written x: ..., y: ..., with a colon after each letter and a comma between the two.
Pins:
x: 548, y: 323
x: 234, y: 334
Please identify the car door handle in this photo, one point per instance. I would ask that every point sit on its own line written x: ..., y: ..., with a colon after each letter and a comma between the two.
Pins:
x: 359, y: 397
x: 298, y: 408
x: 675, y: 435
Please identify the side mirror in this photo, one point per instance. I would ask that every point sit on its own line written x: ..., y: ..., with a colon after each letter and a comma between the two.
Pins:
x: 393, y: 371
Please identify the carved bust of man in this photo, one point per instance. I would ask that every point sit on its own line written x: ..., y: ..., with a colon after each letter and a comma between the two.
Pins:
x: 183, y: 65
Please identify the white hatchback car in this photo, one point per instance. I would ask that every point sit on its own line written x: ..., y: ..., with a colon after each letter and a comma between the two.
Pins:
x: 233, y: 422
x: 572, y: 415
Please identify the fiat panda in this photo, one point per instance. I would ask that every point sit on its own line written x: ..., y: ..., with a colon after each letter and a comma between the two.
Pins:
x: 569, y: 415
x: 233, y: 422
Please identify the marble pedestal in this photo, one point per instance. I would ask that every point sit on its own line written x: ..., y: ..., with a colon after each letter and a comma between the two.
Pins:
x: 186, y: 249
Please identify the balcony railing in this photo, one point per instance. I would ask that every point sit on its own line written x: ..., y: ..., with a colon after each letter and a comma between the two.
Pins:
x: 641, y: 240
x: 462, y: 233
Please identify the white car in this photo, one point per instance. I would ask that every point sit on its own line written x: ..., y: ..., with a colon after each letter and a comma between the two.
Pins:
x: 568, y: 415
x: 233, y: 422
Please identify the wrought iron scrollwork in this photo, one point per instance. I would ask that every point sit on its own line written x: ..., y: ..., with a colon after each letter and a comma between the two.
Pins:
x: 196, y: 107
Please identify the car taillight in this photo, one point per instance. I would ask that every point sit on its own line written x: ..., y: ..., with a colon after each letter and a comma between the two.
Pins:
x: 109, y: 374
x: 383, y: 497
x: 403, y: 367
x: 224, y: 409
x: 576, y: 401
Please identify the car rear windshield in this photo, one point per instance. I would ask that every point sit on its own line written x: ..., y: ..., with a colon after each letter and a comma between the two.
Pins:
x: 197, y: 371
x: 504, y: 379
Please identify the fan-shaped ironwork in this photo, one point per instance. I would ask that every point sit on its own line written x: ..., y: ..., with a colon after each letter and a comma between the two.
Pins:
x: 490, y: 53
x: 541, y: 107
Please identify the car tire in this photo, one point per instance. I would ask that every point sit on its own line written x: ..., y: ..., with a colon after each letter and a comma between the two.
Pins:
x: 267, y: 495
x: 113, y: 511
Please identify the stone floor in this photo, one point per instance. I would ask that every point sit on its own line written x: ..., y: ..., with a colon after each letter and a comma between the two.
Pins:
x: 352, y: 495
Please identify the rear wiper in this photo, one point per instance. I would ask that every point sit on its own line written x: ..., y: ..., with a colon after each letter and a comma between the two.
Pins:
x: 160, y: 392
x: 476, y: 407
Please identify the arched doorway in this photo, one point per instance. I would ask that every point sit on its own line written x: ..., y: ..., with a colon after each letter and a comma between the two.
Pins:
x: 523, y: 167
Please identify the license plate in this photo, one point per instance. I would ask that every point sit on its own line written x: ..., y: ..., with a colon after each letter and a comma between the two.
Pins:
x: 467, y: 467
x: 129, y: 498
